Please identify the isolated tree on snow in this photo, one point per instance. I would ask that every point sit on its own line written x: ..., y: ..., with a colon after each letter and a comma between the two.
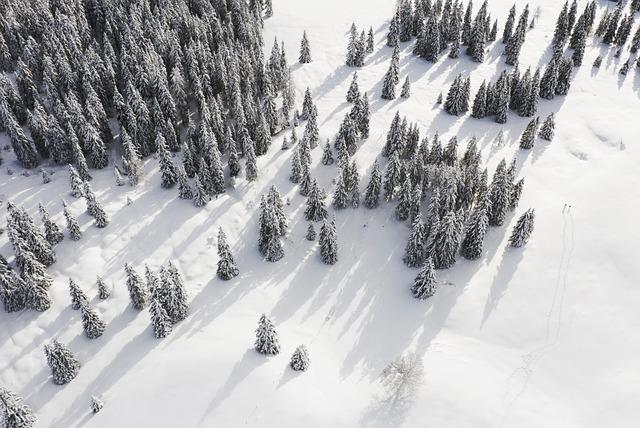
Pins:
x: 300, y: 359
x: 13, y: 412
x: 266, y: 337
x: 137, y: 291
x: 52, y: 232
x: 548, y: 128
x: 103, y: 290
x: 424, y: 285
x: 78, y: 297
x: 305, y: 50
x: 227, y: 268
x: 63, y: 364
x: 96, y: 404
x: 92, y: 324
x: 523, y: 229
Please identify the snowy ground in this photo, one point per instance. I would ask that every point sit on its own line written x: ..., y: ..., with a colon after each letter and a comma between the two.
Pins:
x: 543, y: 336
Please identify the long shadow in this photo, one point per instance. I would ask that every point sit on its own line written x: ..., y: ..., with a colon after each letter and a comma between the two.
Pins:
x: 249, y: 362
x: 511, y: 258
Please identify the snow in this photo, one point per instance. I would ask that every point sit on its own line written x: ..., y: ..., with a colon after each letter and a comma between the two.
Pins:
x: 545, y: 335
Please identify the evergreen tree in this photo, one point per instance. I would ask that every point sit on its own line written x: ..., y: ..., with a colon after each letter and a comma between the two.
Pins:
x: 523, y: 229
x: 353, y: 96
x: 548, y: 128
x: 76, y: 183
x: 184, y: 189
x: 328, y: 243
x: 327, y: 155
x: 479, y: 109
x: 78, y: 297
x: 446, y: 241
x: 13, y: 412
x: 92, y: 323
x: 404, y: 201
x: 160, y: 320
x: 167, y: 168
x: 372, y: 193
x: 227, y: 268
x: 311, y: 232
x: 414, y: 253
x: 425, y: 285
x: 363, y: 117
x: 267, y: 341
x: 12, y: 288
x: 370, y: 42
x: 529, y: 134
x: 476, y: 230
x: 499, y: 195
x: 516, y: 192
x: 72, y: 224
x: 63, y: 364
x: 406, y: 89
x: 52, y: 232
x: 137, y: 291
x: 103, y: 291
x: 508, y: 26
x: 315, y: 209
x: 300, y: 359
x: 340, y: 196
x: 565, y: 69
x: 391, y: 78
x: 305, y: 50
x: 296, y: 168
x: 562, y: 27
x: 96, y: 404
x: 200, y: 196
x: 251, y: 167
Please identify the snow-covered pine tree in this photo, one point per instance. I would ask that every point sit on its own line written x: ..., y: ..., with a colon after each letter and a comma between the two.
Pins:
x: 404, y: 201
x: 267, y: 341
x: 300, y: 359
x: 446, y: 241
x: 305, y: 50
x: 103, y: 290
x: 391, y: 78
x: 227, y: 268
x: 414, y: 253
x: 340, y: 196
x: 372, y: 193
x: 353, y: 95
x: 137, y: 292
x: 523, y: 229
x: 72, y: 224
x: 476, y: 230
x: 251, y: 166
x: 479, y: 109
x: 78, y: 297
x: 406, y: 88
x: 167, y: 168
x: 528, y: 136
x: 52, y: 232
x: 328, y: 241
x: 425, y: 285
x: 13, y: 412
x: 315, y: 208
x: 92, y: 323
x: 184, y: 188
x: 499, y: 195
x: 548, y: 128
x: 96, y: 404
x: 160, y: 320
x: 63, y: 363
x: 327, y: 154
x: 76, y: 183
x: 200, y: 196
x: 311, y: 232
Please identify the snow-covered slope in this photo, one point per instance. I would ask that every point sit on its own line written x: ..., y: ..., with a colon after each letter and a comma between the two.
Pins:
x: 541, y: 336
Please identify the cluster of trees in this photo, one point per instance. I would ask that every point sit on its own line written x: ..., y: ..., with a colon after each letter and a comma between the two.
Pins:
x: 165, y: 294
x: 267, y: 342
x: 148, y: 67
x: 511, y: 91
x: 438, y: 25
x: 359, y: 46
x: 615, y: 28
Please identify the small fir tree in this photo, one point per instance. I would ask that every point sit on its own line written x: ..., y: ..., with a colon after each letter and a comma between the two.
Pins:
x: 92, y: 323
x: 305, y: 50
x: 266, y: 337
x: 63, y: 364
x: 227, y: 268
x: 425, y: 285
x: 300, y: 359
x: 523, y: 229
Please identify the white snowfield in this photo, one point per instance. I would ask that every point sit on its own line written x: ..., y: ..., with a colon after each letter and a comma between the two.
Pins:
x: 542, y: 336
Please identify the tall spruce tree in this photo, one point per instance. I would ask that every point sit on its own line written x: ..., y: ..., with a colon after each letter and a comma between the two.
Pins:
x: 523, y: 229
x: 63, y: 363
x: 227, y: 268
